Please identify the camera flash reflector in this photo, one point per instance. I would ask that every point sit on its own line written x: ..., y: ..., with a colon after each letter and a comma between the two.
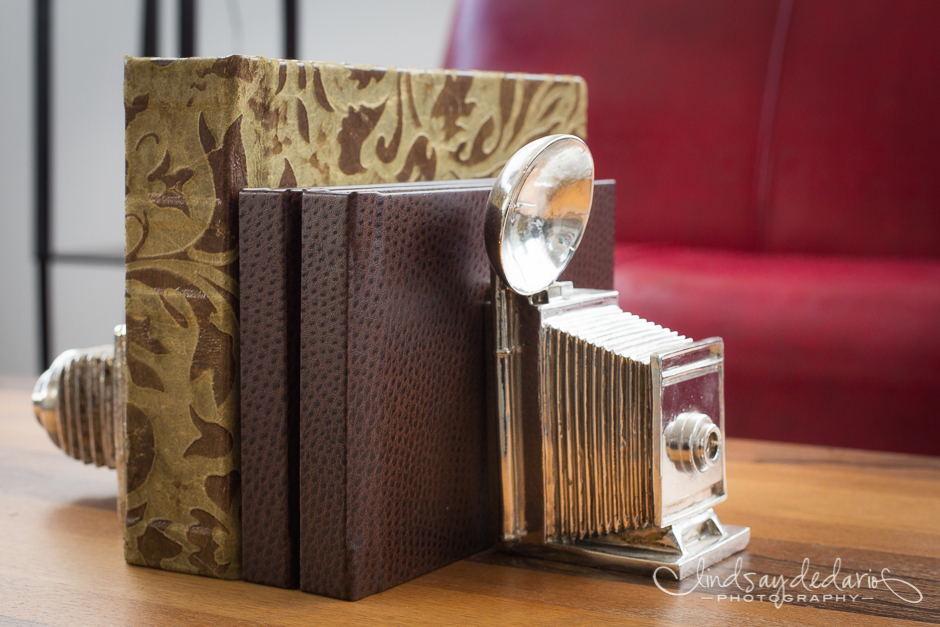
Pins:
x: 537, y: 211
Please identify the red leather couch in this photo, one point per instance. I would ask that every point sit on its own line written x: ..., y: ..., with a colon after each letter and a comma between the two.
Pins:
x: 778, y: 172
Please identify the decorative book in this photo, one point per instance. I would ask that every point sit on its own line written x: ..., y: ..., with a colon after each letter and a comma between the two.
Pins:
x: 197, y: 132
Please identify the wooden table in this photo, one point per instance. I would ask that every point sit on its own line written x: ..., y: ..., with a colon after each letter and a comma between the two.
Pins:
x: 61, y: 561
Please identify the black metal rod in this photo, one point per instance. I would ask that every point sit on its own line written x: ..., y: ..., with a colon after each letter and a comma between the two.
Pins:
x: 44, y: 337
x: 151, y: 27
x: 290, y: 29
x: 42, y: 166
x: 187, y: 28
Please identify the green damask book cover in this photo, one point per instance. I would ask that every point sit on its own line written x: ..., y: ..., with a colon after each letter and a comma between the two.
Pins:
x: 197, y: 131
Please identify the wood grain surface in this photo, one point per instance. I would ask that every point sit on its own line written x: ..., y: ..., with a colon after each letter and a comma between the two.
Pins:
x: 61, y: 561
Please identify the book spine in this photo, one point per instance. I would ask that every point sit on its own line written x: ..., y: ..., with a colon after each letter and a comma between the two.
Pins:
x: 269, y: 261
x: 191, y: 144
x: 324, y: 515
x: 366, y: 445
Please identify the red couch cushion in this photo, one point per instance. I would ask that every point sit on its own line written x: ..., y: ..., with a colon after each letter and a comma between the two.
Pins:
x: 806, y: 126
x: 856, y: 134
x: 820, y: 350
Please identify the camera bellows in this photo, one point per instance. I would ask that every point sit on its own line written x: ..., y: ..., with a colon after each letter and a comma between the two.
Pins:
x: 599, y: 392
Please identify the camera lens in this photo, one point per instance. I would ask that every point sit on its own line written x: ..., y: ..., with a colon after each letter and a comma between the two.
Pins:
x: 711, y: 448
x: 693, y: 442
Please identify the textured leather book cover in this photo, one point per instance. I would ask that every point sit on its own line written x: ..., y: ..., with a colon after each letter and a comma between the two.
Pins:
x: 394, y: 471
x: 197, y: 131
x: 269, y: 222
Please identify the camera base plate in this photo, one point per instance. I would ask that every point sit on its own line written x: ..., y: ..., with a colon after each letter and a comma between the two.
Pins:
x: 682, y: 549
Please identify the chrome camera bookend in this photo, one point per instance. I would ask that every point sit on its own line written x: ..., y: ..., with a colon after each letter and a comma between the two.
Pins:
x: 611, y: 427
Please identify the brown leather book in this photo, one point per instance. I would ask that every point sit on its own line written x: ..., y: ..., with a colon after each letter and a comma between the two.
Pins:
x: 269, y: 265
x: 270, y: 327
x: 393, y: 465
